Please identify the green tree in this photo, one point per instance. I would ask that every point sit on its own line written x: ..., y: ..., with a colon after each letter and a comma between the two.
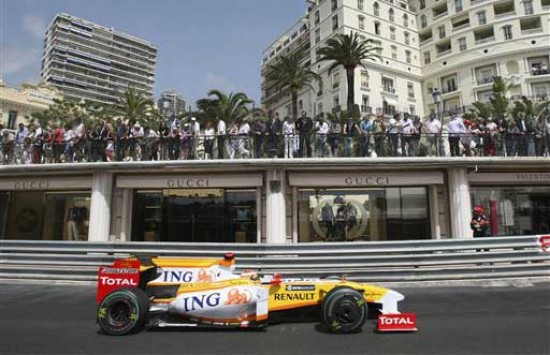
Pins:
x: 135, y: 106
x: 290, y: 73
x: 349, y: 51
x: 234, y: 106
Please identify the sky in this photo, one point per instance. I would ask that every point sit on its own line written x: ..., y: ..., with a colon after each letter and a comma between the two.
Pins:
x: 201, y: 44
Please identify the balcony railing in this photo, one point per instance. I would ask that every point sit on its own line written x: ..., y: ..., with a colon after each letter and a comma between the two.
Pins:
x: 541, y: 71
x: 448, y: 89
x: 366, y: 109
x: 445, y: 52
x: 531, y: 31
x: 386, y: 89
x: 506, y: 14
x: 458, y: 28
x: 485, y: 40
x: 486, y: 80
x: 475, y: 2
x: 440, y: 15
x: 424, y: 41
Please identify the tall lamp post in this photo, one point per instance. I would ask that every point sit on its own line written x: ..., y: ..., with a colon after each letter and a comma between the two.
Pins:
x: 436, y: 95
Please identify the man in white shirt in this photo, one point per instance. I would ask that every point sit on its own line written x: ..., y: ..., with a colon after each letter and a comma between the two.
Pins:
x: 290, y: 139
x: 432, y: 127
x: 322, y: 130
x: 456, y: 129
x: 195, y: 131
x: 221, y: 133
x: 244, y: 131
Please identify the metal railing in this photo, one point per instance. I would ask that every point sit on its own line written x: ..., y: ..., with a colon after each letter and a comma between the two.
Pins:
x: 392, y: 143
x: 458, y: 259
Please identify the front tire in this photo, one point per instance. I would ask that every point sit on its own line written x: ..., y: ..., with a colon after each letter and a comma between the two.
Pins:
x: 123, y: 312
x: 344, y: 311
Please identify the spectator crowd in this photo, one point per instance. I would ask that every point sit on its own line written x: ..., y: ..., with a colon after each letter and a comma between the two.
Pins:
x: 273, y: 137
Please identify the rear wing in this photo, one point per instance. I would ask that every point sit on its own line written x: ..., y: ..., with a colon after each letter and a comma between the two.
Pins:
x: 124, y: 273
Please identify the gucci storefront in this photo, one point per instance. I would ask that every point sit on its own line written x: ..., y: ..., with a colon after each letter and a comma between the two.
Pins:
x: 45, y: 208
x: 363, y: 206
x: 195, y: 208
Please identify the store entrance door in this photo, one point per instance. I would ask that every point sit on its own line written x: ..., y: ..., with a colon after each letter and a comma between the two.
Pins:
x: 541, y: 214
x: 193, y: 219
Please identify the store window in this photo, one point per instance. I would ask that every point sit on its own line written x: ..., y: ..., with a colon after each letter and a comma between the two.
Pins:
x: 515, y: 210
x: 195, y: 215
x: 363, y: 215
x: 31, y: 215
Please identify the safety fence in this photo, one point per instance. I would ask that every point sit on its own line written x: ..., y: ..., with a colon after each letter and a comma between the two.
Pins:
x: 457, y: 259
x: 312, y: 145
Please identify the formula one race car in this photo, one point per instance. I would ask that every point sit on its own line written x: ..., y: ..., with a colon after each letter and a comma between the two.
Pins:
x: 165, y: 292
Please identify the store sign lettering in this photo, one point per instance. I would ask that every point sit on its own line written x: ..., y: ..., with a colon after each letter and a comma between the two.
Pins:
x: 367, y: 180
x: 533, y: 177
x: 31, y: 185
x: 187, y: 183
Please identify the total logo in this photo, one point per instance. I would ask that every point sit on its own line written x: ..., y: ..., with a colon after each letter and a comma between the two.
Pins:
x: 111, y: 281
x: 397, y: 322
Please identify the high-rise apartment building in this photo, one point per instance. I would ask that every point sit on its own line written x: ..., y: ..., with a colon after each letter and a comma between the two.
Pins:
x: 95, y: 63
x: 171, y: 103
x: 454, y: 47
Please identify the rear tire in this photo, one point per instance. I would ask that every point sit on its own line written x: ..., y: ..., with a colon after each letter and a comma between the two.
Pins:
x: 123, y: 312
x: 344, y: 311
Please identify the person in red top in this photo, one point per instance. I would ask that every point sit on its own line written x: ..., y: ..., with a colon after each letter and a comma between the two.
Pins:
x: 479, y: 223
x: 57, y: 143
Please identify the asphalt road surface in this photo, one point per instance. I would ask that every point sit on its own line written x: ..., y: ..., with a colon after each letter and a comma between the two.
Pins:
x: 499, y: 318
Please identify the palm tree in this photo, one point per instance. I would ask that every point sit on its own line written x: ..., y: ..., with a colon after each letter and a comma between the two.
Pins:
x: 349, y: 51
x: 226, y: 107
x: 135, y: 106
x: 291, y: 74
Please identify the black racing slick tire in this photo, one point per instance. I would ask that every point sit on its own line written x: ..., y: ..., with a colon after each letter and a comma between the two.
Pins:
x: 123, y: 312
x: 344, y: 311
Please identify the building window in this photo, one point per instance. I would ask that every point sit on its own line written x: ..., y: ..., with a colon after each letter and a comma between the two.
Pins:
x: 410, y: 90
x: 361, y: 4
x: 387, y: 85
x: 317, y: 17
x: 209, y: 215
x: 317, y: 54
x: 528, y: 7
x: 408, y: 56
x: 481, y: 19
x: 12, y: 119
x: 320, y: 85
x: 422, y: 4
x: 412, y: 110
x: 458, y: 6
x: 427, y: 58
x: 376, y: 9
x: 361, y: 22
x: 462, y: 44
x: 364, y: 79
x: 335, y: 22
x: 365, y: 107
x: 377, y: 28
x: 335, y: 102
x: 507, y: 32
x: 423, y: 21
x: 392, y: 33
x: 405, y: 20
x: 391, y: 15
x: 407, y: 38
x: 317, y: 35
x: 394, y: 52
x: 334, y: 5
x: 335, y: 79
x: 388, y: 213
x: 320, y: 107
x: 441, y: 30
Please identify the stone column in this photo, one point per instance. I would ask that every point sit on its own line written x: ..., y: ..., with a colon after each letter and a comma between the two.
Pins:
x: 275, y: 207
x: 460, y: 203
x: 434, y: 212
x: 100, y: 207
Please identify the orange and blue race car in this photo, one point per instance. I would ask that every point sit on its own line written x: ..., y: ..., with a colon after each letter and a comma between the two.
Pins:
x: 141, y: 292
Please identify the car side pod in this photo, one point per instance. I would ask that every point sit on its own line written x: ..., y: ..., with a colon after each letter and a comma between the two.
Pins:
x: 400, y: 322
